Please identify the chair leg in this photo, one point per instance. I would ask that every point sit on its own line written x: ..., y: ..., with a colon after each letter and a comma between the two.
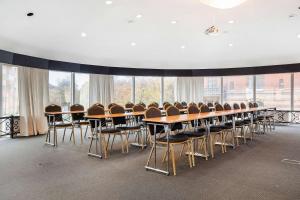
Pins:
x: 181, y: 151
x: 87, y: 127
x: 73, y: 135
x: 205, y: 149
x: 81, y: 136
x: 122, y: 143
x: 63, y: 139
x: 192, y: 142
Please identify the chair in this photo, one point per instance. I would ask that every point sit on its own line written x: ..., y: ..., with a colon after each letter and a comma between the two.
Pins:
x: 78, y: 119
x: 129, y: 105
x: 162, y: 138
x: 141, y: 103
x: 210, y: 104
x: 197, y: 135
x: 99, y: 104
x: 57, y: 121
x: 138, y: 119
x: 97, y: 110
x: 245, y: 123
x: 166, y: 102
x: 121, y: 124
x: 166, y: 106
x: 215, y: 132
x: 155, y: 105
x: 200, y: 104
x: 179, y: 106
x: 192, y: 104
x: 184, y: 104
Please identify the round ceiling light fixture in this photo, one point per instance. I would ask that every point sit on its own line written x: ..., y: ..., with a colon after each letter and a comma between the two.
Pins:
x: 213, y: 30
x: 222, y: 4
x: 30, y: 14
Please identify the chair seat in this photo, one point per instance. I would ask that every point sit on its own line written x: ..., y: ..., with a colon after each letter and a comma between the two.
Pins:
x: 130, y: 127
x: 197, y: 133
x: 110, y: 130
x: 248, y: 121
x: 82, y: 122
x: 237, y: 123
x: 62, y: 124
x: 174, y: 138
x: 216, y: 128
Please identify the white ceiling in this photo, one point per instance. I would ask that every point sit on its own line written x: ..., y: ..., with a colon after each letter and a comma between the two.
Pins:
x: 263, y: 33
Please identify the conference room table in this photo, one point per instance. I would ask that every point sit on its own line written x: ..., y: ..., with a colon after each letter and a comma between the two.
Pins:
x: 168, y: 121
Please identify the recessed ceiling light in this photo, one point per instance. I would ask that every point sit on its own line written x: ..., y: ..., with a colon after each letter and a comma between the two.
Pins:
x: 83, y: 34
x: 291, y: 16
x: 230, y: 45
x: 183, y: 47
x: 231, y: 22
x: 30, y: 14
x: 173, y: 22
x: 108, y: 2
x: 139, y: 16
x: 133, y: 44
x: 298, y: 36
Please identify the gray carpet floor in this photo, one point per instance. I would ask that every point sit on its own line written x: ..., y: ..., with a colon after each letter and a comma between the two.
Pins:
x: 31, y: 170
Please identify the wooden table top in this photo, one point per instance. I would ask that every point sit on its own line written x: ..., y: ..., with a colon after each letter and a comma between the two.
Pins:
x: 191, y: 117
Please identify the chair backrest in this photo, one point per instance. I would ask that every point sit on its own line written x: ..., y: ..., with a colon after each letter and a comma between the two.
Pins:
x: 171, y: 111
x: 77, y: 116
x: 138, y: 108
x: 192, y: 103
x: 153, y: 112
x: 99, y: 104
x: 251, y: 105
x: 219, y: 107
x: 255, y: 105
x: 184, y: 104
x: 155, y: 105
x: 111, y: 105
x: 193, y: 109
x: 227, y: 106
x: 204, y: 108
x: 129, y: 105
x: 243, y: 106
x: 236, y: 106
x: 166, y: 106
x: 200, y: 104
x: 117, y: 109
x: 210, y: 104
x: 96, y: 110
x: 54, y: 108
x: 143, y: 104
x: 166, y: 102
x: 179, y: 106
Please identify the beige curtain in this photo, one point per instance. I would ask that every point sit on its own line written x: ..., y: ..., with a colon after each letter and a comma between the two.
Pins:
x: 33, y: 97
x: 190, y: 89
x: 101, y: 89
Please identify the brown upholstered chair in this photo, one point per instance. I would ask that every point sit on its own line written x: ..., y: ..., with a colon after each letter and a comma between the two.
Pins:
x: 155, y: 105
x: 166, y: 106
x: 57, y: 122
x: 143, y: 104
x: 129, y: 105
x: 78, y: 119
x: 121, y: 124
x: 215, y: 132
x: 99, y: 104
x: 179, y: 106
x: 197, y: 135
x: 200, y: 104
x: 162, y: 138
x: 102, y: 128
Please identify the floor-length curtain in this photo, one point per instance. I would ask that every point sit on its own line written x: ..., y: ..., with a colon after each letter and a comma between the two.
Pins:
x: 33, y: 92
x: 190, y: 89
x: 101, y: 89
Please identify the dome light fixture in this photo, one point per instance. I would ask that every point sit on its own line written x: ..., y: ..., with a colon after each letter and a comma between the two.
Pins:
x: 213, y: 30
x: 222, y: 4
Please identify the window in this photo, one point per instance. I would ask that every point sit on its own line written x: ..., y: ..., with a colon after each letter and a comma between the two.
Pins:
x: 212, y: 89
x: 170, y: 89
x: 122, y: 89
x: 60, y: 88
x: 10, y: 98
x: 237, y: 89
x: 82, y: 89
x: 147, y: 89
x: 270, y: 93
x: 297, y: 91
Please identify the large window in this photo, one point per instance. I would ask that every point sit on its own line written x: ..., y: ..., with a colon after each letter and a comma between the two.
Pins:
x: 237, y: 89
x: 10, y: 98
x: 82, y: 89
x: 122, y: 89
x: 147, y: 89
x: 60, y: 88
x: 212, y: 89
x: 274, y: 90
x: 297, y: 91
x: 170, y: 89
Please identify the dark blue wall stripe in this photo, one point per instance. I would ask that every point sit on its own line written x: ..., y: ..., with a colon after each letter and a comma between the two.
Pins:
x: 29, y: 61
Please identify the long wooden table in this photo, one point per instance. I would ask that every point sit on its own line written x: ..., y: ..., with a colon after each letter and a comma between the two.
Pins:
x: 167, y: 122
